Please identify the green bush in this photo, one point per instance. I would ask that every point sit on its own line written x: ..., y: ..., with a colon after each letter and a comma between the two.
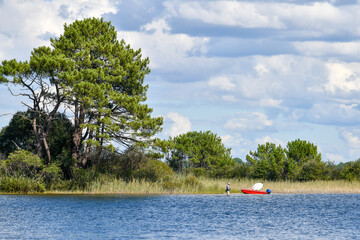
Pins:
x: 20, y: 185
x: 170, y: 184
x: 312, y: 170
x: 198, y: 172
x: 51, y: 175
x: 81, y: 178
x: 22, y: 163
x: 153, y: 170
x: 351, y: 171
x: 191, y: 181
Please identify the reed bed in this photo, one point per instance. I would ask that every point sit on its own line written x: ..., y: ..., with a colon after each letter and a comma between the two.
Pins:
x: 192, y: 185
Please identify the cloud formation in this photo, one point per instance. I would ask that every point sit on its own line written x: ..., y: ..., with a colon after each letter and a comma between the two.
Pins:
x: 250, y: 71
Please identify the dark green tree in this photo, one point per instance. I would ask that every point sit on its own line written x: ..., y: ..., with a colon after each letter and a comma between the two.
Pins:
x: 91, y: 73
x: 198, y: 150
x: 18, y: 134
x: 301, y: 157
x: 351, y: 171
x: 267, y: 162
x: 301, y: 151
x: 105, y: 89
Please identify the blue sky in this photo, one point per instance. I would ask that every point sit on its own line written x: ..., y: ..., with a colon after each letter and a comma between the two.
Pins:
x: 250, y: 71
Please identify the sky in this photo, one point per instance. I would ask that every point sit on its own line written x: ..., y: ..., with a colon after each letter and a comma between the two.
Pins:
x: 250, y: 71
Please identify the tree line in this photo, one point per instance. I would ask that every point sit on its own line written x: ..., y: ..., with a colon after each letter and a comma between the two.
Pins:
x: 85, y: 99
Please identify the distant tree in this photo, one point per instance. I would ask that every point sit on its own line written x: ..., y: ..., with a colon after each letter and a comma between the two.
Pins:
x: 198, y: 150
x: 351, y: 171
x: 312, y: 170
x: 267, y: 162
x: 299, y: 153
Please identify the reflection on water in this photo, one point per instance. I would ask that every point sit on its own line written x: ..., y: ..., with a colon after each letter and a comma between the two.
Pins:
x: 274, y: 216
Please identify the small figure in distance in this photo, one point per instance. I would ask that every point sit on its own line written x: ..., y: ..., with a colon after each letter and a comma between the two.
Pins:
x: 228, y: 189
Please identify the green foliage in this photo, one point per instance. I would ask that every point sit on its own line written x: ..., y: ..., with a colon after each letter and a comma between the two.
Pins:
x: 301, y: 151
x: 312, y: 170
x: 131, y: 161
x: 268, y: 162
x: 201, y: 152
x: 81, y: 178
x: 18, y: 134
x: 191, y: 181
x: 60, y: 136
x: 153, y: 170
x: 51, y: 175
x: 300, y: 161
x: 22, y: 163
x: 241, y: 171
x: 20, y: 185
x: 106, y: 86
x: 351, y: 171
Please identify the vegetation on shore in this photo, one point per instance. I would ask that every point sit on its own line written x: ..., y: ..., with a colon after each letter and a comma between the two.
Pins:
x: 188, y: 185
x: 193, y: 185
x: 100, y: 82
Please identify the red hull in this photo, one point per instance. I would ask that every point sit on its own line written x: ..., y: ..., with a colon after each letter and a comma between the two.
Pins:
x: 250, y: 191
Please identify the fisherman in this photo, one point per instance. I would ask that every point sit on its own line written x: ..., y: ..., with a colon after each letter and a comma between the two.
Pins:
x: 228, y: 189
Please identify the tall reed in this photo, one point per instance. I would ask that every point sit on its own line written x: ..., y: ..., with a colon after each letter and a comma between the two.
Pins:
x: 180, y: 184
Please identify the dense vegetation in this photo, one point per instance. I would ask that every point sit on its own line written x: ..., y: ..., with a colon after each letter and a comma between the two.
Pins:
x: 99, y: 81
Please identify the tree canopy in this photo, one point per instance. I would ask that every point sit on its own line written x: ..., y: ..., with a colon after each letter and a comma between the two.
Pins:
x: 100, y: 79
x: 198, y: 150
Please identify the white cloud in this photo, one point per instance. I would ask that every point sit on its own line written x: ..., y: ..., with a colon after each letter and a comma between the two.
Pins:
x: 261, y: 69
x: 322, y: 48
x: 343, y: 77
x: 180, y: 124
x: 353, y: 143
x: 229, y: 98
x: 332, y: 113
x: 319, y: 16
x: 230, y: 13
x: 221, y: 82
x: 248, y: 121
x: 166, y: 51
x: 230, y: 140
x: 269, y: 139
x: 336, y: 158
x: 270, y: 102
x: 29, y: 24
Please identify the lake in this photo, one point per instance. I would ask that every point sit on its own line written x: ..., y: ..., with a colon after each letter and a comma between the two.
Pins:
x: 274, y: 216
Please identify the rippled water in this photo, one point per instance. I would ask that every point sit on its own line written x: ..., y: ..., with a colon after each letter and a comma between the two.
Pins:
x: 274, y: 216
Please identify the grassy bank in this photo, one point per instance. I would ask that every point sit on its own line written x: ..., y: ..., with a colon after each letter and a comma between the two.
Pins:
x: 192, y: 185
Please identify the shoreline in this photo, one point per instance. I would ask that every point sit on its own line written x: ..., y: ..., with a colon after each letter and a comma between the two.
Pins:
x: 205, y: 186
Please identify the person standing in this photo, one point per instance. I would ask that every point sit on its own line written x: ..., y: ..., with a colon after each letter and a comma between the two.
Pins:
x: 228, y: 189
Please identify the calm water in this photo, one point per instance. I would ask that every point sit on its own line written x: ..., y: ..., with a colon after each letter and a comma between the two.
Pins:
x: 274, y: 216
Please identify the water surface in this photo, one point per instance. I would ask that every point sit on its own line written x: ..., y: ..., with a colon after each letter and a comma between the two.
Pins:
x: 274, y: 216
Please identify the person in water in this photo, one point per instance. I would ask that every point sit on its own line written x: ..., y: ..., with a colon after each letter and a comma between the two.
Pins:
x: 228, y: 189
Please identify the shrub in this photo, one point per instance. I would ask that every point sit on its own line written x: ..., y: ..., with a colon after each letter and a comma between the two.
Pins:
x: 20, y: 185
x: 154, y: 170
x: 51, y: 175
x: 198, y: 172
x: 351, y: 171
x: 22, y: 163
x: 82, y: 178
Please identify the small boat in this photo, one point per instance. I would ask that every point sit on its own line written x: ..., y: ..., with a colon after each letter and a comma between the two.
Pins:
x: 251, y: 191
x: 256, y: 189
